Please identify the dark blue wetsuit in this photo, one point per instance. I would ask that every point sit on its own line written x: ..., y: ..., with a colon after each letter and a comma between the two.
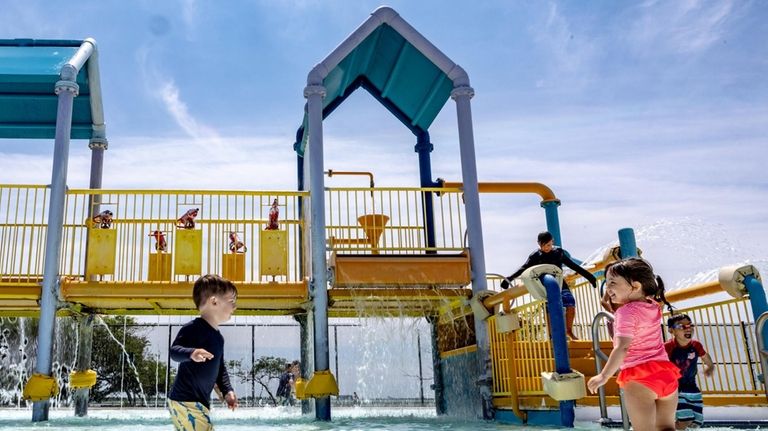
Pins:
x: 557, y: 257
x: 195, y: 380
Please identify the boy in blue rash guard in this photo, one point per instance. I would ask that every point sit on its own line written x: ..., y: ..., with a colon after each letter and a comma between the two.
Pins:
x: 199, y: 350
x: 549, y: 254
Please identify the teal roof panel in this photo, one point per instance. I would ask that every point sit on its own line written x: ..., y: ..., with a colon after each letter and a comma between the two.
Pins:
x: 403, y: 79
x: 29, y: 71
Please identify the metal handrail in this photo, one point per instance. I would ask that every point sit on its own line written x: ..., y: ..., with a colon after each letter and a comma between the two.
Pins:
x: 761, y: 348
x: 600, y: 356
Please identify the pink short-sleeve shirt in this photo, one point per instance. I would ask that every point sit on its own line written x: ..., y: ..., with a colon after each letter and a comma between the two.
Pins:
x: 640, y: 321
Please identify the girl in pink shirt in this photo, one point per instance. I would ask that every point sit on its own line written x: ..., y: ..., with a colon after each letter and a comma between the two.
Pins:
x: 648, y: 378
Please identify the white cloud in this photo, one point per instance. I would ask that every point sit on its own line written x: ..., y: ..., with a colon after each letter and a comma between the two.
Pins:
x: 688, y: 26
x: 572, y: 53
x: 169, y: 95
x: 160, y: 87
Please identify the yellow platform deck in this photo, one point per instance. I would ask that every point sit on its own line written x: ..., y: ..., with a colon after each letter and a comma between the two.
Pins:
x: 21, y: 298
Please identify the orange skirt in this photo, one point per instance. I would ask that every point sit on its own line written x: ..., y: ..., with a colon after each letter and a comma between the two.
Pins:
x: 659, y: 376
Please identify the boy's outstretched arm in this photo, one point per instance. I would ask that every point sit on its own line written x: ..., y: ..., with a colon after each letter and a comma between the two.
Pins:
x: 579, y: 270
x: 709, y: 365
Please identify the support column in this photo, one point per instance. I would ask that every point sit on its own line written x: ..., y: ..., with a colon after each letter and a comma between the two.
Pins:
x: 437, y: 369
x: 319, y: 282
x: 306, y: 357
x: 66, y: 90
x: 423, y: 148
x: 462, y: 96
x: 97, y: 146
x: 553, y: 220
x: 85, y: 329
x: 559, y: 342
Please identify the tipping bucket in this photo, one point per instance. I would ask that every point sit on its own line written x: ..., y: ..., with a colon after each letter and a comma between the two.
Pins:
x: 373, y: 226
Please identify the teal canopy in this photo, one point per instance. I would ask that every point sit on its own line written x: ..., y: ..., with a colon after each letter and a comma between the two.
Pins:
x: 29, y: 70
x: 395, y: 72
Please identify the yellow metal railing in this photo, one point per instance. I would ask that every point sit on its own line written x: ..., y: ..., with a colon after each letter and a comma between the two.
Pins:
x: 520, y: 357
x: 136, y: 215
x: 392, y: 220
x: 23, y: 226
x: 359, y: 220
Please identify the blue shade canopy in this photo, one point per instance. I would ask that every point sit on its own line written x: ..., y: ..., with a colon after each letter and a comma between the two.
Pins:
x: 395, y: 72
x: 29, y: 70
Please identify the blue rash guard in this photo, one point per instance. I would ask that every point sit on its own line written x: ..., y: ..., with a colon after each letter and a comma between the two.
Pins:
x: 558, y: 257
x: 195, y: 380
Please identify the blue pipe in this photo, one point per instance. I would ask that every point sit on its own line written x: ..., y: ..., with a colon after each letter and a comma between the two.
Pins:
x: 553, y: 221
x: 559, y: 342
x: 423, y: 148
x: 757, y: 301
x: 300, y: 209
x: 627, y: 244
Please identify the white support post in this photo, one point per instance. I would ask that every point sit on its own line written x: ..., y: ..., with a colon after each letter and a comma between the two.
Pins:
x: 462, y: 95
x: 66, y: 90
x: 319, y: 282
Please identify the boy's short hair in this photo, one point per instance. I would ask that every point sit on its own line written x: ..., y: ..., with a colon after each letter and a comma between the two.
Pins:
x: 544, y: 237
x: 211, y: 285
x: 676, y: 318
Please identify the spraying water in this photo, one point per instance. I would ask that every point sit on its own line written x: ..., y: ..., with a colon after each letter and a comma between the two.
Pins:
x: 127, y: 359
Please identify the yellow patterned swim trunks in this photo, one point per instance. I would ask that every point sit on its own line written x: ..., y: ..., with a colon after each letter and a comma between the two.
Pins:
x: 190, y: 416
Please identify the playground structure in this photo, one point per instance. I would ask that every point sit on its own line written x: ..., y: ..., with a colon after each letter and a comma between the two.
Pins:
x: 336, y: 252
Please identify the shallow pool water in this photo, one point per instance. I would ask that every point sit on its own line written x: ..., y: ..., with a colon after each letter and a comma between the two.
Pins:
x: 258, y: 419
x: 268, y: 418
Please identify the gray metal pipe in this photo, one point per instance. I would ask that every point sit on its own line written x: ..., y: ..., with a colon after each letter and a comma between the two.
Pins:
x: 80, y: 396
x: 462, y: 96
x: 319, y: 282
x: 66, y: 91
x: 600, y: 356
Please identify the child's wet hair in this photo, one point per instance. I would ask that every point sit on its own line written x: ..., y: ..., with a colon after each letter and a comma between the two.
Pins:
x: 211, y: 285
x: 544, y: 237
x: 676, y: 318
x: 639, y: 270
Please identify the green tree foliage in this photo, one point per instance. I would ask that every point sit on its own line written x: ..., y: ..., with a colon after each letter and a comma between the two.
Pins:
x: 265, y: 370
x: 113, y: 364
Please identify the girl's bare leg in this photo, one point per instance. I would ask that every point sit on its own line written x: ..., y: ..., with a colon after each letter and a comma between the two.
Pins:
x: 665, y: 412
x: 641, y: 406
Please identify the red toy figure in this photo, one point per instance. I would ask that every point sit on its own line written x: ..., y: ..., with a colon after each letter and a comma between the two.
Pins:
x: 103, y: 219
x: 160, y: 243
x: 187, y: 221
x: 235, y: 245
x: 274, y: 212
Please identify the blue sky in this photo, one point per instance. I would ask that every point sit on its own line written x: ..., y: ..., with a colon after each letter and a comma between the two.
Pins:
x: 651, y: 114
